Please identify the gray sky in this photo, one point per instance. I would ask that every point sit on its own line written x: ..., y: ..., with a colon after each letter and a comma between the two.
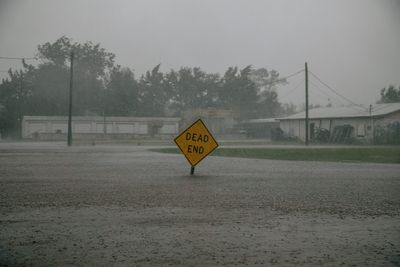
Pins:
x: 352, y: 45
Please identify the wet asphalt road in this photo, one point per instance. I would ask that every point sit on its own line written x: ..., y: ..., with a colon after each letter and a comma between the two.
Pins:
x: 126, y: 206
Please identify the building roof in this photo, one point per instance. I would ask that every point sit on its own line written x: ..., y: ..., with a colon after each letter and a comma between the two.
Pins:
x: 269, y: 120
x: 101, y: 119
x: 378, y: 110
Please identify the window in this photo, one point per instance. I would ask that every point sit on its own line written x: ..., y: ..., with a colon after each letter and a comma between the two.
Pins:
x: 361, y: 130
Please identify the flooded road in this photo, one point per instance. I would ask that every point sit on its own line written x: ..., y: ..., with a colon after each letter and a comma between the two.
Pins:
x: 123, y: 205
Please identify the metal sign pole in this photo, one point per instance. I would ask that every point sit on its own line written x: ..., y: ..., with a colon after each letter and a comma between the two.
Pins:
x: 195, y: 143
x: 306, y: 126
x: 70, y: 101
x: 191, y: 170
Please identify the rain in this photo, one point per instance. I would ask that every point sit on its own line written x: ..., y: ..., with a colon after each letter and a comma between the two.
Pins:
x: 199, y: 133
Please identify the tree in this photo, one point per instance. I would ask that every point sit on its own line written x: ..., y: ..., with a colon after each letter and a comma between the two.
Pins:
x: 121, y: 93
x: 42, y: 89
x: 268, y: 105
x: 239, y: 93
x: 288, y: 109
x: 90, y: 58
x: 192, y: 88
x: 100, y: 88
x: 266, y: 82
x: 91, y: 66
x: 56, y: 53
x: 49, y: 89
x: 153, y: 93
x: 15, y: 93
x: 390, y: 95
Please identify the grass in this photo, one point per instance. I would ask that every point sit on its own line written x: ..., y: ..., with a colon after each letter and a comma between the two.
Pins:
x: 351, y: 154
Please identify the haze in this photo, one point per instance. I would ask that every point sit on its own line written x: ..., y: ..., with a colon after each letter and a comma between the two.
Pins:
x: 352, y: 45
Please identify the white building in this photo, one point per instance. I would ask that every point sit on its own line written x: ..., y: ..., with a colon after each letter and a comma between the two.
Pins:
x: 362, y: 120
x: 259, y: 128
x: 218, y: 121
x: 55, y: 127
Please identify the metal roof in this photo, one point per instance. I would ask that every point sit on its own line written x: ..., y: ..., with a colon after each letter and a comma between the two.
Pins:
x: 269, y: 120
x: 101, y: 119
x: 378, y: 110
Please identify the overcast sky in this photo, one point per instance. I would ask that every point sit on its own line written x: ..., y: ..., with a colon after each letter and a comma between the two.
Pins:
x: 352, y: 45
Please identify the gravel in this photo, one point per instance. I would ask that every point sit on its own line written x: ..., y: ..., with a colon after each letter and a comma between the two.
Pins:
x: 123, y: 205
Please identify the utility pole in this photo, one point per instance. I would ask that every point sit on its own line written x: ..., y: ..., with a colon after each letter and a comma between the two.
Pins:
x: 306, y: 72
x: 372, y: 124
x: 104, y: 123
x: 70, y: 101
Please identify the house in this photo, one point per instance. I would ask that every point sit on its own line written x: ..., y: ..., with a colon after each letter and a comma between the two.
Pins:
x: 218, y: 121
x: 89, y: 127
x: 260, y: 128
x: 354, y: 122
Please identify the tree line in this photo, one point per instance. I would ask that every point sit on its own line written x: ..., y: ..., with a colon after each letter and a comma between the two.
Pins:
x: 391, y: 94
x: 101, y: 87
x: 104, y: 88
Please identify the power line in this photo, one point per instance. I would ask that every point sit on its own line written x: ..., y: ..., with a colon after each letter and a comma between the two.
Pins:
x: 319, y: 95
x: 292, y: 90
x: 333, y: 97
x: 336, y: 99
x: 286, y: 77
x: 383, y: 107
x: 291, y: 75
x: 334, y: 91
x: 20, y: 58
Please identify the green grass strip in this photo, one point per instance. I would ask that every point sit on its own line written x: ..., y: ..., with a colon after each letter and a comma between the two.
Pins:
x: 377, y: 155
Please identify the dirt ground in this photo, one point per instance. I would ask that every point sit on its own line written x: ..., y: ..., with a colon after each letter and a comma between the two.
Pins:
x: 125, y: 206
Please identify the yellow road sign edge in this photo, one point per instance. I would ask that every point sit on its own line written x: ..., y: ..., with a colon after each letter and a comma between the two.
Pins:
x: 184, y: 152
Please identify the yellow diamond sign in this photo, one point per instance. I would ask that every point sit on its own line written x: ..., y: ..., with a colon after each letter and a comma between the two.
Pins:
x: 196, y: 142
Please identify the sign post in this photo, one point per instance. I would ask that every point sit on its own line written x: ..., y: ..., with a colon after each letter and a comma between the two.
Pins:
x: 191, y: 170
x: 196, y: 143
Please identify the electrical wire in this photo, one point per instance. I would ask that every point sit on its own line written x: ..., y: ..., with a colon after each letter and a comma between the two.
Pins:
x: 383, y: 107
x: 319, y: 95
x: 291, y: 90
x: 292, y: 75
x: 364, y: 109
x: 287, y: 77
x: 334, y: 91
x: 332, y: 97
x: 20, y: 58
